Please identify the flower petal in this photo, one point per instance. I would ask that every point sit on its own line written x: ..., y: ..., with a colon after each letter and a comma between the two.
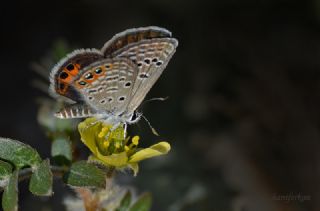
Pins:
x: 160, y: 148
x: 88, y: 130
x: 117, y: 160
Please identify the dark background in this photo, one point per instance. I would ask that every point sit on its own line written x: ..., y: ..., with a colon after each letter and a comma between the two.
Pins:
x: 243, y: 109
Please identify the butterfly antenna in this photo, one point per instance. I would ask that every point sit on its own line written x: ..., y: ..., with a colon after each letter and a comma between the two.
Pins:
x: 152, y: 128
x: 155, y: 99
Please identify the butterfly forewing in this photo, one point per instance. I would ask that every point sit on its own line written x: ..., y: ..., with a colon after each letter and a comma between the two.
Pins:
x: 134, y: 35
x: 151, y: 57
x: 107, y: 85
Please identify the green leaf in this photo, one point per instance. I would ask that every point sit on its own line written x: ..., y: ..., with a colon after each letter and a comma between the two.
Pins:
x: 10, y: 194
x: 18, y: 153
x: 5, y: 172
x: 41, y: 180
x: 61, y: 150
x: 143, y: 203
x: 125, y: 202
x: 83, y: 174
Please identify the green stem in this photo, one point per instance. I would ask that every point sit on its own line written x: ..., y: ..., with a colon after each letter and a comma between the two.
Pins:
x: 26, y: 173
x: 110, y: 172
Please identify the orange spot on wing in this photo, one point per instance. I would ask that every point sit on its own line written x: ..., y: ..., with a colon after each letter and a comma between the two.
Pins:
x: 64, y: 83
x: 74, y: 71
x: 67, y: 80
x: 63, y: 90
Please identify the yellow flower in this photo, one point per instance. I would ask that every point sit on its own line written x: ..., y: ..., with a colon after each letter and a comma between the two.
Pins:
x: 111, y: 148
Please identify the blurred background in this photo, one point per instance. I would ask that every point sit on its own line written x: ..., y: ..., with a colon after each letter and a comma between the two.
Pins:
x: 244, y: 96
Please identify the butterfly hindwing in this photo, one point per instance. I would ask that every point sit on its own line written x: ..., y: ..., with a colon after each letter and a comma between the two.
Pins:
x: 107, y: 85
x: 67, y: 68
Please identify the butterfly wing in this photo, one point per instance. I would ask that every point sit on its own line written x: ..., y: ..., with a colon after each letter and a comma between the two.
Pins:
x: 150, y: 48
x: 134, y: 35
x: 66, y: 69
x: 106, y: 85
x: 136, y: 59
x: 151, y: 56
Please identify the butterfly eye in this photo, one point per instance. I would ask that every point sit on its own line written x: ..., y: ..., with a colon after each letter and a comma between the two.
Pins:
x: 98, y: 71
x: 88, y: 76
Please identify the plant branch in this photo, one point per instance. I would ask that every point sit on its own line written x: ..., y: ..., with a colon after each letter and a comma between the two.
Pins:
x: 110, y: 172
x: 26, y: 173
x: 57, y: 171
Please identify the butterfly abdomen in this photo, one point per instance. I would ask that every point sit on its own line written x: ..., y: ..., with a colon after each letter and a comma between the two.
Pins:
x: 75, y: 111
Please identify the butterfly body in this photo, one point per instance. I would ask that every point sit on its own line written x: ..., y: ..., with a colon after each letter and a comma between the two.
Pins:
x: 111, y: 83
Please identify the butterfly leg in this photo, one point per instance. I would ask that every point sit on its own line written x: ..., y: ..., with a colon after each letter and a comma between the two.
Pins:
x: 125, y: 131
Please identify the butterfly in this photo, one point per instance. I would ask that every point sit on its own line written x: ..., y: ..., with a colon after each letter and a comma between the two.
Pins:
x: 111, y: 83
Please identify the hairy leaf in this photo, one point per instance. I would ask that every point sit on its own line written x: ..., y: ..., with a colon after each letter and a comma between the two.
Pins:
x: 18, y: 153
x: 83, y: 174
x: 41, y: 180
x: 5, y: 172
x: 10, y: 194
